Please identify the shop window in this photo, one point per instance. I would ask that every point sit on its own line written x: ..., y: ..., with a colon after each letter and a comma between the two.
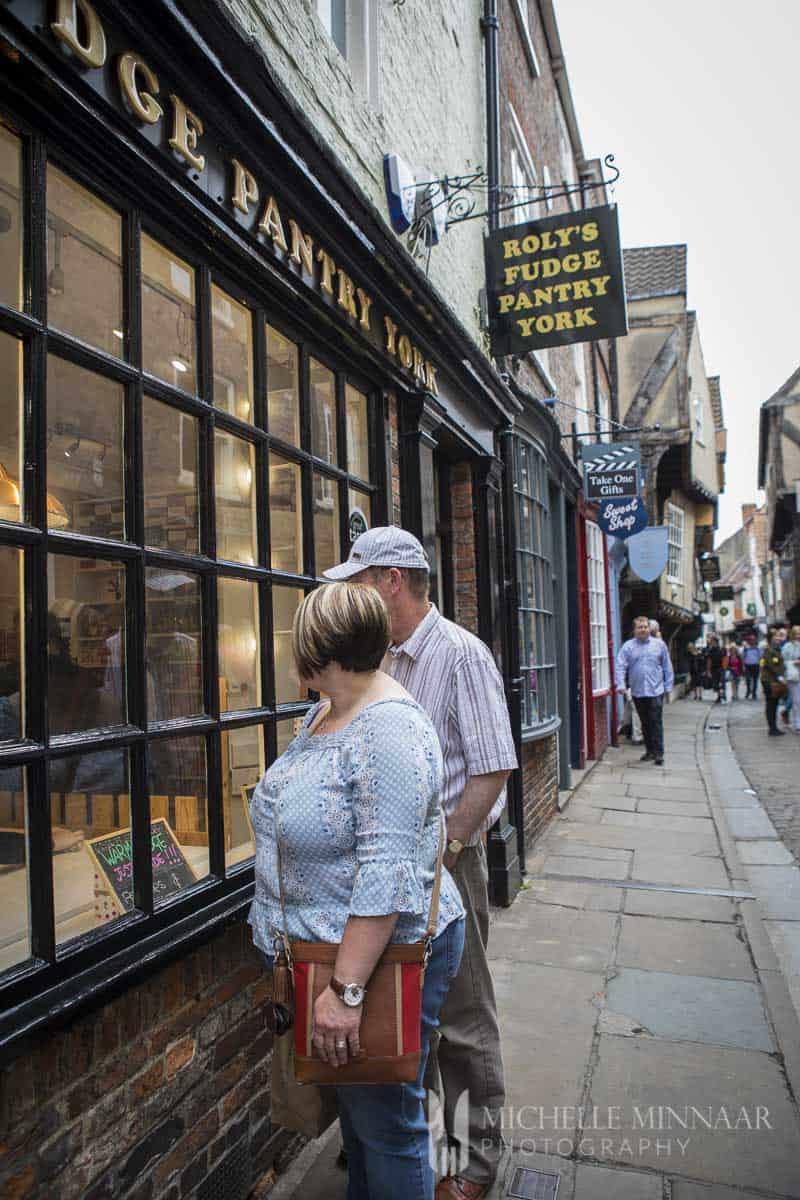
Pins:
x: 11, y: 474
x: 233, y: 355
x: 163, y: 583
x: 170, y: 445
x: 674, y: 516
x: 174, y: 664
x: 84, y: 451
x: 239, y: 658
x: 85, y: 643
x: 15, y: 931
x: 235, y: 473
x: 598, y: 613
x: 283, y: 390
x: 534, y: 586
x: 10, y: 219
x: 84, y: 265
x: 168, y: 316
x: 11, y: 610
x: 323, y: 412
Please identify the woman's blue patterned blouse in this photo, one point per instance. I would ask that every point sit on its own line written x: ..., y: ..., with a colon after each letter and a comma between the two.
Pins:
x: 357, y: 812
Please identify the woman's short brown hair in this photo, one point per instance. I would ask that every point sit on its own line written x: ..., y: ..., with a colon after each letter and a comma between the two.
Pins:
x: 346, y: 623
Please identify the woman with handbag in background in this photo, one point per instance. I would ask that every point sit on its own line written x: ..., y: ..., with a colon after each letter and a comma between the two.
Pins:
x: 791, y: 661
x: 349, y: 831
x: 773, y: 681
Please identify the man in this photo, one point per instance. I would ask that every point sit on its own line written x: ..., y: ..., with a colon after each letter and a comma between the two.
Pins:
x: 751, y: 656
x: 452, y: 675
x: 717, y: 666
x: 643, y: 665
x: 773, y: 679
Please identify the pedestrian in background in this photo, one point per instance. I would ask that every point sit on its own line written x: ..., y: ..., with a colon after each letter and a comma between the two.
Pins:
x: 735, y: 669
x: 643, y: 664
x: 695, y: 671
x: 453, y: 676
x: 773, y: 680
x: 751, y: 657
x: 716, y: 664
x: 790, y: 654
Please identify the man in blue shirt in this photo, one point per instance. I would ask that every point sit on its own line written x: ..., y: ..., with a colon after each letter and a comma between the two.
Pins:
x: 643, y: 666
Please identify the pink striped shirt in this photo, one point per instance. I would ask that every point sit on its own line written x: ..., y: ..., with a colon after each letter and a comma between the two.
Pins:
x: 452, y: 675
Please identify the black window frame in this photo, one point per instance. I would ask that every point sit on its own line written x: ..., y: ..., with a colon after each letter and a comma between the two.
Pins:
x: 57, y: 977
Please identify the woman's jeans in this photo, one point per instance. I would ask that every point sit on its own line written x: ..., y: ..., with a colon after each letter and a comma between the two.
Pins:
x: 384, y: 1130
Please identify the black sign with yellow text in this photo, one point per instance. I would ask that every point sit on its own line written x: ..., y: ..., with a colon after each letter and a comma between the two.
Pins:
x: 555, y: 281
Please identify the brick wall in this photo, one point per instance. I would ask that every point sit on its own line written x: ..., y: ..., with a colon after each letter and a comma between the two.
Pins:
x: 394, y: 435
x: 142, y: 1099
x: 539, y: 785
x: 600, y: 704
x: 464, y: 569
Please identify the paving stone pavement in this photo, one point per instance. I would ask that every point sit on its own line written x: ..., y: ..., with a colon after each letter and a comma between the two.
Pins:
x: 644, y: 979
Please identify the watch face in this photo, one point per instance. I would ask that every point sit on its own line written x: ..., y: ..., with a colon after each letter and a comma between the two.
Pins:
x: 353, y: 995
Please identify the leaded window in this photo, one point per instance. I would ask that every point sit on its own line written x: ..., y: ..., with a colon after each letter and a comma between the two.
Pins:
x: 674, y: 516
x: 535, y: 585
x: 177, y: 468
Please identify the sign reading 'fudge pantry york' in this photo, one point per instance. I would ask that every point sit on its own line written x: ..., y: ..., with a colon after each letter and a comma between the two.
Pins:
x: 555, y: 281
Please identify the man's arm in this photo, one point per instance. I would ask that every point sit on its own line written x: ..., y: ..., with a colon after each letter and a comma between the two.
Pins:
x: 477, y: 801
x: 623, y: 659
x: 669, y: 674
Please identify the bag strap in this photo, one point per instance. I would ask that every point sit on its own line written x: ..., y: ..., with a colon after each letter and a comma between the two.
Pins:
x: 433, y: 911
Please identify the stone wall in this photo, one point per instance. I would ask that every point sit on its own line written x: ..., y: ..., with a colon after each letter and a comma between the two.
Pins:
x: 145, y: 1097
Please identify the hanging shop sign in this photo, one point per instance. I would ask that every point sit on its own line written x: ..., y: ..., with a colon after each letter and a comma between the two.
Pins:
x: 622, y: 518
x: 751, y: 610
x: 556, y: 281
x: 610, y: 469
x: 357, y: 524
x: 709, y: 568
x: 232, y: 177
x: 647, y: 552
x: 723, y: 612
x: 722, y: 593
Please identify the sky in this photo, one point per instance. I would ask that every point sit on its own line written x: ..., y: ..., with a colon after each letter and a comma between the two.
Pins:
x: 698, y: 100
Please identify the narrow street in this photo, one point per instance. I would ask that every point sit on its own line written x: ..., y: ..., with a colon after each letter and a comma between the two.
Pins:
x: 652, y: 1049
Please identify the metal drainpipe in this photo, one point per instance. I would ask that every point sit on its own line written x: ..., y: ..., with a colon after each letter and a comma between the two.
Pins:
x: 490, y: 26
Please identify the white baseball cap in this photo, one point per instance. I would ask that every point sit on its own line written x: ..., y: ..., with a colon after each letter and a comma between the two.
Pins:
x: 383, y: 546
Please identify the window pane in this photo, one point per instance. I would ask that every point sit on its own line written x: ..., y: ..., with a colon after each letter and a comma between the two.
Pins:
x: 286, y: 731
x: 326, y: 522
x: 179, y: 796
x: 234, y: 472
x: 173, y: 649
x: 12, y: 707
x: 242, y: 767
x: 285, y: 603
x: 286, y: 515
x: 283, y: 394
x: 85, y: 643
x: 89, y: 798
x: 84, y: 264
x: 170, y: 445
x: 323, y: 412
x: 359, y: 514
x: 11, y: 219
x: 10, y: 427
x: 85, y: 472
x: 357, y: 433
x: 240, y: 676
x: 168, y: 316
x: 14, y: 912
x: 233, y: 355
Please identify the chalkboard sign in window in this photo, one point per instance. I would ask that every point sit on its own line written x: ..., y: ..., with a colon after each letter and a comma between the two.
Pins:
x: 113, y: 878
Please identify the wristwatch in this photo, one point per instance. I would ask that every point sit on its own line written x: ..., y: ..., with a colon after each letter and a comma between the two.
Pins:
x: 351, y: 994
x: 454, y: 846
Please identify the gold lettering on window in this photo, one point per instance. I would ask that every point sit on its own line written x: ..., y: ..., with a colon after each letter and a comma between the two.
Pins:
x: 245, y: 188
x: 91, y: 50
x: 186, y: 128
x: 143, y: 104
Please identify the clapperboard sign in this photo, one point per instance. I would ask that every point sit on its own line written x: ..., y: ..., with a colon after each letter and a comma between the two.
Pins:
x: 112, y: 855
x: 610, y: 470
x: 555, y: 281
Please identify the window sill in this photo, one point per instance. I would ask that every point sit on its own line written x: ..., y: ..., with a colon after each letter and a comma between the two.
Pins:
x: 534, y: 733
x: 527, y: 40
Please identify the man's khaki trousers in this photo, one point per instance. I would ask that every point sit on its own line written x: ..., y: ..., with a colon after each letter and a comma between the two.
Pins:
x: 466, y: 1054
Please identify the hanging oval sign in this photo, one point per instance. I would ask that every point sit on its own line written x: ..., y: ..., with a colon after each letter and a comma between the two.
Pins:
x: 622, y: 518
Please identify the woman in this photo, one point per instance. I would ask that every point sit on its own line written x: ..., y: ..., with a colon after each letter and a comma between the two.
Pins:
x: 791, y: 661
x: 695, y: 671
x: 354, y: 801
x: 735, y: 669
x: 772, y: 677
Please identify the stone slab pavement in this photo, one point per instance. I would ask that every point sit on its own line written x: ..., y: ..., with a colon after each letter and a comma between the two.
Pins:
x: 644, y: 979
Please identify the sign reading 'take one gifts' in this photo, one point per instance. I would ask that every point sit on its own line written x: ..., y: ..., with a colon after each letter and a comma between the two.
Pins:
x: 555, y: 281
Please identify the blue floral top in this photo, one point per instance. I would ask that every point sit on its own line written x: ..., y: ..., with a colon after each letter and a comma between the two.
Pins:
x: 358, y: 816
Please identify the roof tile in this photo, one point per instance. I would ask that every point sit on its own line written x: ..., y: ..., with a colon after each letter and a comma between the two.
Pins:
x: 655, y: 271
